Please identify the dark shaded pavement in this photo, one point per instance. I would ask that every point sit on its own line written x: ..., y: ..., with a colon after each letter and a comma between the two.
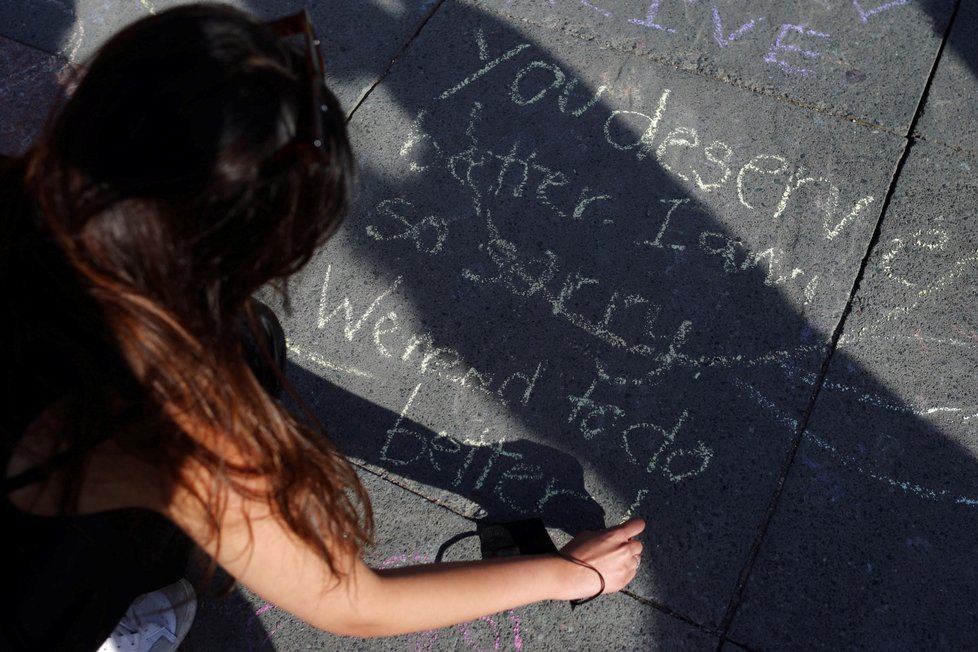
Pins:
x: 713, y: 264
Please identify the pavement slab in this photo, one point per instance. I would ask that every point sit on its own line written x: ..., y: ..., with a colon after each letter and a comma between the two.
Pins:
x: 582, y: 283
x: 359, y: 38
x: 732, y: 647
x: 868, y: 59
x: 30, y: 81
x: 411, y: 530
x: 874, y: 542
x: 949, y: 114
x: 569, y: 279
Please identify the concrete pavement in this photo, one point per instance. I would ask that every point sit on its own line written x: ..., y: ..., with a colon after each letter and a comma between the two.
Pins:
x: 709, y: 263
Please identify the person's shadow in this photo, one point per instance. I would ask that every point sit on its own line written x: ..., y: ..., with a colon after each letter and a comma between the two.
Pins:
x: 519, y: 219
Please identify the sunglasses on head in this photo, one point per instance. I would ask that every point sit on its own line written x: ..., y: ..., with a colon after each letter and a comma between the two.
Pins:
x: 309, y: 137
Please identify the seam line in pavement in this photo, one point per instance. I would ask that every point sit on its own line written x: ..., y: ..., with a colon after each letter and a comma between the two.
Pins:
x: 774, y: 503
x: 394, y: 59
x: 669, y: 611
x: 58, y: 54
x: 910, y: 136
x: 958, y: 149
x: 743, y: 85
x: 393, y: 479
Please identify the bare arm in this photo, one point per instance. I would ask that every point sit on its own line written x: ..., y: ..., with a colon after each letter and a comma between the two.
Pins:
x: 366, y: 602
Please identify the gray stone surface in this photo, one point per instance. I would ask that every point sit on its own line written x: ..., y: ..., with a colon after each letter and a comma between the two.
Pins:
x: 359, y: 38
x: 863, y: 58
x: 874, y: 545
x: 571, y: 315
x: 409, y: 531
x: 30, y: 81
x: 949, y: 115
x: 582, y: 283
x: 731, y: 647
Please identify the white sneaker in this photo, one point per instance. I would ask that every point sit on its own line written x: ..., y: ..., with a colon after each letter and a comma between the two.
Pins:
x: 156, y: 621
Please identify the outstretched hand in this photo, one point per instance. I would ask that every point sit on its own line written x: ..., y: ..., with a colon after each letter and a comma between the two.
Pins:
x: 613, y: 552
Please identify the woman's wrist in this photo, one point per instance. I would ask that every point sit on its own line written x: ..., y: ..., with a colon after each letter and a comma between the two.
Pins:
x: 591, y: 574
x: 576, y: 580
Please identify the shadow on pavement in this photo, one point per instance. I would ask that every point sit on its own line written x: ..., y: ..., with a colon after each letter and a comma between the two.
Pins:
x: 672, y: 329
x: 669, y: 350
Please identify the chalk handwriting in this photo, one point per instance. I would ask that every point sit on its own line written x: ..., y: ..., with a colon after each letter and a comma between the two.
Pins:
x: 626, y: 130
x: 682, y: 141
x: 351, y: 328
x: 645, y: 443
x: 606, y: 14
x: 483, y: 55
x: 828, y: 203
x: 514, y: 172
x: 427, y: 233
x: 530, y: 276
x: 417, y: 349
x: 319, y: 360
x: 650, y: 18
x: 865, y: 14
x: 918, y: 287
x: 786, y: 45
x: 633, y: 507
x: 643, y: 145
x: 925, y: 239
x: 736, y: 257
x: 538, y: 275
x: 485, y: 172
x: 641, y: 340
x: 483, y: 463
x: 850, y: 462
x: 941, y: 238
x: 557, y: 80
x: 657, y: 242
x: 725, y: 40
x: 780, y: 48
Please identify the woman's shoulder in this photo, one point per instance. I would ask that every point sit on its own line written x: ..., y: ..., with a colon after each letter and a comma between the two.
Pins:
x: 109, y: 478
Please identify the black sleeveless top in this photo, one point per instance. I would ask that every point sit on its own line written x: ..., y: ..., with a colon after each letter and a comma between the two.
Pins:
x: 67, y: 581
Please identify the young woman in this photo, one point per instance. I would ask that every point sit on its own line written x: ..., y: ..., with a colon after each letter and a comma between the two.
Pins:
x: 199, y: 158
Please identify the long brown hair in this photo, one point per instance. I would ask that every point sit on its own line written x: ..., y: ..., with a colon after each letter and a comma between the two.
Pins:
x: 162, y: 195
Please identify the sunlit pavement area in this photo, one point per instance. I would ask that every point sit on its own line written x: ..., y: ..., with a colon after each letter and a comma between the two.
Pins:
x: 708, y: 262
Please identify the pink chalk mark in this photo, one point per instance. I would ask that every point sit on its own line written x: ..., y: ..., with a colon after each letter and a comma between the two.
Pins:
x: 428, y: 639
x: 253, y: 619
x: 391, y: 562
x: 965, y: 332
x: 495, y: 632
x: 650, y: 18
x: 517, y: 629
x: 780, y: 47
x: 467, y: 637
x: 864, y: 15
x: 724, y: 41
x: 280, y: 626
